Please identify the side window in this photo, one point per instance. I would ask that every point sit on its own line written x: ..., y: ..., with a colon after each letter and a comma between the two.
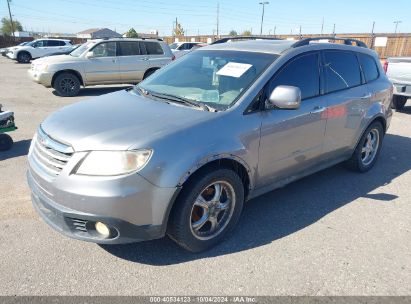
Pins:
x: 153, y: 48
x: 369, y: 67
x: 53, y: 43
x: 62, y: 43
x: 105, y: 49
x: 39, y: 43
x: 129, y: 48
x: 341, y: 70
x: 302, y: 72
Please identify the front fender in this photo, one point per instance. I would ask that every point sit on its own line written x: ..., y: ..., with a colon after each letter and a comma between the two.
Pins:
x: 177, y: 156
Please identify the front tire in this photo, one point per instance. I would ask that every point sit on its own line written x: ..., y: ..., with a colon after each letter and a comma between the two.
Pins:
x: 67, y: 85
x: 398, y: 102
x: 368, y: 149
x: 6, y: 142
x: 207, y: 209
x: 23, y: 57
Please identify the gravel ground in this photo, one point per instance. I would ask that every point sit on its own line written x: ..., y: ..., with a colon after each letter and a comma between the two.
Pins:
x: 333, y: 233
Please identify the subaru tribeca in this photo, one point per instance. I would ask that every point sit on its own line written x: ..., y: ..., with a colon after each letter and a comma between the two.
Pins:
x: 181, y: 152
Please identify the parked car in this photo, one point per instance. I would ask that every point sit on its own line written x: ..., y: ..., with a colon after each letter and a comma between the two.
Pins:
x: 63, y: 52
x: 398, y: 70
x: 182, y: 48
x: 4, y: 51
x: 181, y: 152
x: 37, y: 48
x: 101, y: 61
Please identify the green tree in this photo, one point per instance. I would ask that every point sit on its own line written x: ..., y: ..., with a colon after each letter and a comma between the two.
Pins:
x: 132, y: 33
x: 246, y: 33
x: 232, y: 33
x: 178, y: 30
x: 6, y: 28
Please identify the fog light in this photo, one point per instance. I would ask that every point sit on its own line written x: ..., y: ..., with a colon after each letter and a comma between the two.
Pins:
x: 102, y: 229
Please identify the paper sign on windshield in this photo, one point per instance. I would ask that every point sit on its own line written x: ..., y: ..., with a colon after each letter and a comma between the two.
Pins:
x: 234, y: 69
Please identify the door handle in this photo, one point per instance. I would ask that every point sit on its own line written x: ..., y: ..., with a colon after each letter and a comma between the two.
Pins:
x: 145, y: 58
x: 114, y: 60
x: 317, y: 109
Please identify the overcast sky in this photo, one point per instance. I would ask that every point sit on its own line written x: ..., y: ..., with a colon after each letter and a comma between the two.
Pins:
x: 71, y: 16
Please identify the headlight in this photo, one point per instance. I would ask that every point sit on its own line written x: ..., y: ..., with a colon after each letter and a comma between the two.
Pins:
x: 105, y: 163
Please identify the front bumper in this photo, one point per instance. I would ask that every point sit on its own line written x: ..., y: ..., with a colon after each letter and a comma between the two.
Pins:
x: 11, y: 55
x: 43, y: 78
x: 134, y: 209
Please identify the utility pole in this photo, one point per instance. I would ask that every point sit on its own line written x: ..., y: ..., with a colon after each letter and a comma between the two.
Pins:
x: 322, y: 27
x: 262, y: 15
x: 300, y: 33
x: 372, y: 35
x: 396, y: 25
x: 334, y: 30
x: 11, y: 19
x: 218, y: 17
x: 275, y: 27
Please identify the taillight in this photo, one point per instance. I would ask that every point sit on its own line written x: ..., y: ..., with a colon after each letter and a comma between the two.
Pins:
x: 173, y: 58
x: 386, y: 66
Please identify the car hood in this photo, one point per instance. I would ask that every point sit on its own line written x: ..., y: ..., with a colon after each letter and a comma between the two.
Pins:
x: 57, y: 59
x: 119, y: 121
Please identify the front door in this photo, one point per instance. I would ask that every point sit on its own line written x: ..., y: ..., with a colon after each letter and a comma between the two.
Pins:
x: 103, y: 67
x: 292, y: 140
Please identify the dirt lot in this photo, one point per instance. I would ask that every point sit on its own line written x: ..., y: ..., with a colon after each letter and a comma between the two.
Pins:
x: 333, y: 233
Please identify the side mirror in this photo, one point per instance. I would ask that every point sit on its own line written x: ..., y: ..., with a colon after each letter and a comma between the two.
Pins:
x: 89, y: 55
x: 285, y: 97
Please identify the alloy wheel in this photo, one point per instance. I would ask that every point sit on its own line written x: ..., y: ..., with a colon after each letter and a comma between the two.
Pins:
x: 212, y: 210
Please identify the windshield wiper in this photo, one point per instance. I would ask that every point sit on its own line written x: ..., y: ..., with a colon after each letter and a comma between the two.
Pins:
x: 183, y: 100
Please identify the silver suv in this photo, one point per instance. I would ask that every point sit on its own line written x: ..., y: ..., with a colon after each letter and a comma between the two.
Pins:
x: 181, y: 152
x: 101, y: 61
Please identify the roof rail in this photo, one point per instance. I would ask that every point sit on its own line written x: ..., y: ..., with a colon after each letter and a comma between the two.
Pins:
x: 226, y: 39
x: 347, y: 41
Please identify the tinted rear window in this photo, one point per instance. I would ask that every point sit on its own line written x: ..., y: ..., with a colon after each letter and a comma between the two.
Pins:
x: 369, y: 67
x: 302, y: 72
x: 341, y: 70
x: 153, y: 48
x: 129, y: 48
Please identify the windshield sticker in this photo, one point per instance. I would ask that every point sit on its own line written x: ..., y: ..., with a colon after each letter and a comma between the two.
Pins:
x: 234, y: 69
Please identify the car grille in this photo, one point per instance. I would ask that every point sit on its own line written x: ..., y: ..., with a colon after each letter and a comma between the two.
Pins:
x: 77, y: 224
x: 49, y: 154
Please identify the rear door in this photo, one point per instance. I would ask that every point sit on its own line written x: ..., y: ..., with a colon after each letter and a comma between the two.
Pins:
x: 292, y: 140
x: 155, y: 54
x: 347, y: 100
x: 103, y: 67
x: 132, y: 62
x: 53, y: 46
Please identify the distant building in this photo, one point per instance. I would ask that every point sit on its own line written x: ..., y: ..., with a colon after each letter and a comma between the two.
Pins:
x: 22, y: 34
x: 96, y: 33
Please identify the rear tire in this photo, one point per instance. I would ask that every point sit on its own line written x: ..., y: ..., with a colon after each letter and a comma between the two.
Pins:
x: 368, y: 149
x: 207, y: 209
x: 67, y: 85
x: 23, y: 57
x: 6, y: 142
x: 398, y: 102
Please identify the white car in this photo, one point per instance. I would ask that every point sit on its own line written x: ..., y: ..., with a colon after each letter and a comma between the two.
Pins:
x: 181, y: 48
x: 37, y: 48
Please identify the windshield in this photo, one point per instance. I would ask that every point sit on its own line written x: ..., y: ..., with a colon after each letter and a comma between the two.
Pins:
x: 173, y: 46
x: 82, y: 48
x: 215, y: 78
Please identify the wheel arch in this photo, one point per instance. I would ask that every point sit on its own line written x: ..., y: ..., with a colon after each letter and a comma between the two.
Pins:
x: 77, y: 73
x: 379, y: 118
x: 149, y: 70
x: 24, y: 51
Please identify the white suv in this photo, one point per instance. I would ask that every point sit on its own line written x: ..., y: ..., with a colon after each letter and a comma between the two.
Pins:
x: 101, y: 61
x: 38, y: 48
